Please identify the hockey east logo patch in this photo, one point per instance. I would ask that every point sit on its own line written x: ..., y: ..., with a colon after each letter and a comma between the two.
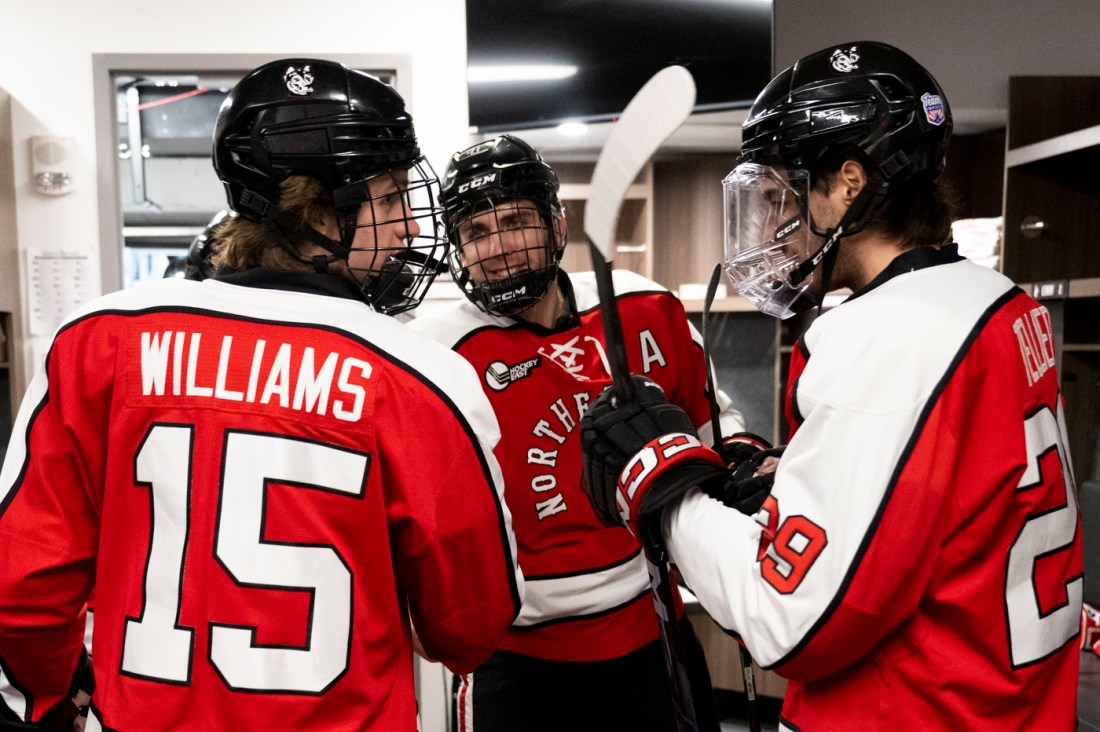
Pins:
x: 499, y: 375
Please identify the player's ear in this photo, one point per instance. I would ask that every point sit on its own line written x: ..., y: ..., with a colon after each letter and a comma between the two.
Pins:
x: 852, y: 177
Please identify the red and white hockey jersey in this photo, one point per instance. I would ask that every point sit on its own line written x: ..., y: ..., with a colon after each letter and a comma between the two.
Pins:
x: 264, y: 485
x: 587, y: 585
x: 918, y: 565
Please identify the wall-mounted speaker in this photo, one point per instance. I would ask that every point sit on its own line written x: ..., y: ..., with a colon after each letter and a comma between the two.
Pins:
x: 52, y: 159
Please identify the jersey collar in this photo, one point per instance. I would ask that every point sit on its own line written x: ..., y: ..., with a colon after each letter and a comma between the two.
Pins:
x: 910, y: 261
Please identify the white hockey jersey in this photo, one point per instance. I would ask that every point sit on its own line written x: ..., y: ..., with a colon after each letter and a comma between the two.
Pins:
x: 918, y: 565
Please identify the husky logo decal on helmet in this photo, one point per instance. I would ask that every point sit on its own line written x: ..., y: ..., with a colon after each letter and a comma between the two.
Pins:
x: 505, y: 224
x: 298, y: 82
x: 845, y: 61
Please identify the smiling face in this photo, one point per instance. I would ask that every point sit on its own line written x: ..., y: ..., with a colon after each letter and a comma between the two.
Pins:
x: 503, y: 241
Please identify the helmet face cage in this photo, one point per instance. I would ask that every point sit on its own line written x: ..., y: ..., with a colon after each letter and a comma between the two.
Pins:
x: 391, y: 226
x: 505, y: 224
x: 506, y: 253
x: 767, y: 236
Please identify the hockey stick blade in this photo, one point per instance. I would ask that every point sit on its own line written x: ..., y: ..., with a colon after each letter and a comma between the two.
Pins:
x: 652, y: 115
x: 659, y: 107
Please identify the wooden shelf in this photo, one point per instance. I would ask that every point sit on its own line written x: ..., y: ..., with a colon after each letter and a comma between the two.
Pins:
x: 580, y: 191
x: 633, y: 231
x: 1086, y: 287
x: 1070, y: 142
x: 1079, y: 288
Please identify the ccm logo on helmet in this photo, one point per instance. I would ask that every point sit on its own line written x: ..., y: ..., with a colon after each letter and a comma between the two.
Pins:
x: 477, y: 182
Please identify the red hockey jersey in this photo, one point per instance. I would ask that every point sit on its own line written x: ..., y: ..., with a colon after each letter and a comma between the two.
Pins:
x: 264, y: 486
x: 918, y: 565
x: 587, y: 587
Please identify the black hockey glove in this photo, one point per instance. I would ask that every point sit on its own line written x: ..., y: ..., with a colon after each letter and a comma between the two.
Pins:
x: 640, y: 456
x: 744, y: 490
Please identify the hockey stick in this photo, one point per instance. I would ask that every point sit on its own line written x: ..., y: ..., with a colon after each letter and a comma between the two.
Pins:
x: 716, y: 426
x: 652, y: 115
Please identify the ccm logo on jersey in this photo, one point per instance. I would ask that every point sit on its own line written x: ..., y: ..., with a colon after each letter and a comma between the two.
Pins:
x: 499, y: 374
x: 477, y: 182
x: 657, y: 456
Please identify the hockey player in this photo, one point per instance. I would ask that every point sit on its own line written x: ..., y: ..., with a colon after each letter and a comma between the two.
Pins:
x: 198, y: 264
x: 584, y: 653
x: 917, y: 564
x: 229, y: 460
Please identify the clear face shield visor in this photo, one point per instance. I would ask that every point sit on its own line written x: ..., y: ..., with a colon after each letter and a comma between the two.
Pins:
x: 767, y: 236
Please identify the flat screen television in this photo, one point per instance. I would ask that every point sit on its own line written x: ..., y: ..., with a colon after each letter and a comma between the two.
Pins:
x: 539, y: 64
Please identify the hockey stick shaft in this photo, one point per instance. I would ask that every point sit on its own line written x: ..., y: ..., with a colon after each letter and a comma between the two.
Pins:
x: 716, y: 425
x: 655, y: 112
x: 617, y: 363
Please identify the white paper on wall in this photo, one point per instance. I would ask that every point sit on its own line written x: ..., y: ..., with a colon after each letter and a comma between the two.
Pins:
x: 58, y: 282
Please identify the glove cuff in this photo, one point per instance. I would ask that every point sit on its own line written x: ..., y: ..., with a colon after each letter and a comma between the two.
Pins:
x: 741, y: 446
x: 663, y: 470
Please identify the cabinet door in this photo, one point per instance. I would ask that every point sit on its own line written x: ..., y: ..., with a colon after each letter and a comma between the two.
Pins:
x: 1051, y: 188
x: 1063, y: 195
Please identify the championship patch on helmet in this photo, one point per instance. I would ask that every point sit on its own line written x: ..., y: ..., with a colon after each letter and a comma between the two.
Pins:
x: 500, y: 375
x: 933, y: 108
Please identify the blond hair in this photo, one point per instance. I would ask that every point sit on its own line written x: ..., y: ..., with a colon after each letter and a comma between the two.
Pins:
x: 247, y: 244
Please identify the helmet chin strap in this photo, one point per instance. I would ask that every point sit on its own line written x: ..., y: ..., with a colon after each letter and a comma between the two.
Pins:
x: 865, y: 202
x: 279, y: 223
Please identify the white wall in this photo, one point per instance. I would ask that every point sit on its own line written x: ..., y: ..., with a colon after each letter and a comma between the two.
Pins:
x: 46, y: 51
x: 971, y: 47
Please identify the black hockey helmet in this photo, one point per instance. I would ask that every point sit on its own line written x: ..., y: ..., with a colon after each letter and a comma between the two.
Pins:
x: 344, y: 128
x: 308, y: 117
x: 199, y: 253
x: 867, y: 94
x: 489, y: 177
